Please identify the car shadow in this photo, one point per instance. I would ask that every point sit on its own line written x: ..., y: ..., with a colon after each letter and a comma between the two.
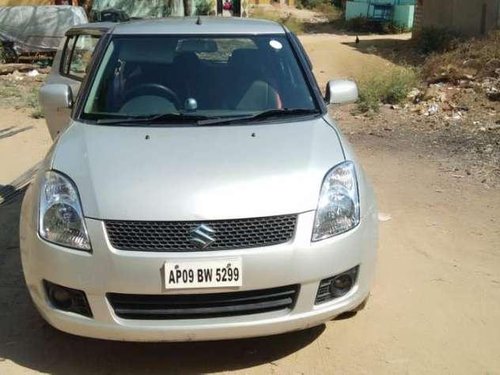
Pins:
x: 10, y: 192
x: 28, y: 341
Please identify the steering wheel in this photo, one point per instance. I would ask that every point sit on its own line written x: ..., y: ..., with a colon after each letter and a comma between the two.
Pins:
x: 153, y: 89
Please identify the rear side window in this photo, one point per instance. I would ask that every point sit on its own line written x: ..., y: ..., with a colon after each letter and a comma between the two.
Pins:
x: 77, y: 55
x: 70, y: 43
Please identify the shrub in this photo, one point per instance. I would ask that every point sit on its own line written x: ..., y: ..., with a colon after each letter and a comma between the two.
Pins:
x: 392, y: 27
x: 390, y: 87
x: 311, y: 4
x: 366, y: 25
x: 357, y: 24
x: 326, y: 7
x: 33, y: 103
x: 475, y: 57
x: 337, y: 3
x: 204, y: 7
x: 437, y: 39
x: 10, y: 90
x: 36, y: 113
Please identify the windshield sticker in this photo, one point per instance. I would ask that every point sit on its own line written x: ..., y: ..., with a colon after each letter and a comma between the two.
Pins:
x: 275, y: 44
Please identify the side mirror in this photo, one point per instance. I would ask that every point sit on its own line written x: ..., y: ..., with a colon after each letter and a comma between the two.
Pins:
x: 56, y: 96
x: 340, y: 91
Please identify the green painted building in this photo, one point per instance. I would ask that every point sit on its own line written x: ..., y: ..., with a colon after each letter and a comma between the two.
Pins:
x: 399, y: 11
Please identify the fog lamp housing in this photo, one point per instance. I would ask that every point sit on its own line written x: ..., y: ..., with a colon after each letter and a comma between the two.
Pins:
x: 336, y: 286
x: 67, y: 299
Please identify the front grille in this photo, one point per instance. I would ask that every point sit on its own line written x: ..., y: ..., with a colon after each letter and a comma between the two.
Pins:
x: 199, y: 306
x: 177, y: 235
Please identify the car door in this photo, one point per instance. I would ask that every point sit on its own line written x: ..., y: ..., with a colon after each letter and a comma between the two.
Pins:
x: 69, y: 68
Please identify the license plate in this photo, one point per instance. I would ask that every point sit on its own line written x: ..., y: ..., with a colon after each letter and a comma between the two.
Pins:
x: 188, y: 274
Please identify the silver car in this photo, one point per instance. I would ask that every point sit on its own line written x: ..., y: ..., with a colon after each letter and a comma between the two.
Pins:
x: 197, y: 189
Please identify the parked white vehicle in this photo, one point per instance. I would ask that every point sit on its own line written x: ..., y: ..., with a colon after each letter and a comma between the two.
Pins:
x: 198, y: 190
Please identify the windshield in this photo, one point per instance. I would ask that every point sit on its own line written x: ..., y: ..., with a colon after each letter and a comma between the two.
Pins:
x: 200, y: 77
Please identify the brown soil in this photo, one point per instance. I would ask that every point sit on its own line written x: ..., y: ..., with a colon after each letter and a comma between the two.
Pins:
x: 23, y: 142
x: 435, y: 306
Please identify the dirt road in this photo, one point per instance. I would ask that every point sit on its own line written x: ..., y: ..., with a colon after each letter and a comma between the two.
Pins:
x: 333, y: 56
x: 23, y: 141
x: 435, y: 307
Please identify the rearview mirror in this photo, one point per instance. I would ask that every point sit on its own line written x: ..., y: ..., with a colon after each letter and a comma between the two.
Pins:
x: 340, y: 91
x: 56, y: 96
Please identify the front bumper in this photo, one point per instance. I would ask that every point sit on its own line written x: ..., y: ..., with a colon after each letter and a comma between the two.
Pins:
x: 107, y: 270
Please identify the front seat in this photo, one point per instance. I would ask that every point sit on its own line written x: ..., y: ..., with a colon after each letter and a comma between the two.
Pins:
x: 252, y: 90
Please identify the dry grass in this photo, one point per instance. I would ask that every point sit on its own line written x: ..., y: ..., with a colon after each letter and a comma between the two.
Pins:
x: 330, y: 12
x: 292, y: 23
x: 33, y: 103
x: 472, y: 58
x: 322, y: 18
x: 10, y: 90
x: 389, y: 87
x: 21, y: 94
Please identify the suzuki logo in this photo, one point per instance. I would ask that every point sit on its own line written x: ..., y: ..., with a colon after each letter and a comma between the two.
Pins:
x: 202, y: 236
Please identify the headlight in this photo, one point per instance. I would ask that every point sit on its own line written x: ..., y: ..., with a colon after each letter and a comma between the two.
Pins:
x: 61, y: 218
x: 338, y: 205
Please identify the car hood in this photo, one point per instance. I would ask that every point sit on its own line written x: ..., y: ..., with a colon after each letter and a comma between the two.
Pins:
x: 198, y: 173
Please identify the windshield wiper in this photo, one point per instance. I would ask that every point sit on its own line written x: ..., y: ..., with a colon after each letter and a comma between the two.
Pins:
x: 269, y: 114
x: 154, y: 119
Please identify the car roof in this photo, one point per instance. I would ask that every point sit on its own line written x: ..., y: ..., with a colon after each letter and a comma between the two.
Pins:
x: 206, y: 25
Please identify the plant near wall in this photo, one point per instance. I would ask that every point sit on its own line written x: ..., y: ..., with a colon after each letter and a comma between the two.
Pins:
x: 311, y: 4
x: 366, y: 25
x: 204, y: 7
x: 437, y: 39
x: 392, y: 27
